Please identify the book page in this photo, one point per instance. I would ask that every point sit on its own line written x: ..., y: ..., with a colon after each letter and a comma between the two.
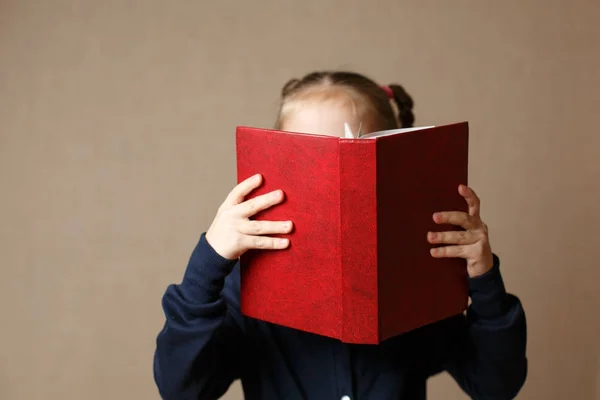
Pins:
x: 348, y: 134
x: 393, y: 132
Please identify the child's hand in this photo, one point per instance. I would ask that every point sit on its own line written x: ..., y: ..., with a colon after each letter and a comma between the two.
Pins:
x: 232, y: 232
x: 471, y: 244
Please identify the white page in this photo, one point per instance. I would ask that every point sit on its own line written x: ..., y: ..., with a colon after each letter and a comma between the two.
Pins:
x: 393, y: 132
x: 348, y: 132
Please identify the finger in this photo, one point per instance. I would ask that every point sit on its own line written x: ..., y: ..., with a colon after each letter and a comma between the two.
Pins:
x: 448, y: 252
x: 451, y: 237
x: 471, y: 198
x: 259, y: 203
x: 265, y: 227
x: 243, y: 189
x: 457, y: 218
x: 265, y: 243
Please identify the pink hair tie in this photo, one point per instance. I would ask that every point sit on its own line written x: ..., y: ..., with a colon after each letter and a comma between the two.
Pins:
x: 388, y: 91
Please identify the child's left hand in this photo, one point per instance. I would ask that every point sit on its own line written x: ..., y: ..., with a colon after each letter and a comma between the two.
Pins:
x: 472, y: 244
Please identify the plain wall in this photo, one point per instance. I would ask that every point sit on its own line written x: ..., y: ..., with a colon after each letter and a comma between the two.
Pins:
x: 117, y: 124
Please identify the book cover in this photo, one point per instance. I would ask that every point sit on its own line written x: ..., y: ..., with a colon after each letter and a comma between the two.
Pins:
x: 358, y: 267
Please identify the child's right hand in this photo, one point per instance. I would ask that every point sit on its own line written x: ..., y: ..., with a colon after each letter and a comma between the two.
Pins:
x: 232, y: 232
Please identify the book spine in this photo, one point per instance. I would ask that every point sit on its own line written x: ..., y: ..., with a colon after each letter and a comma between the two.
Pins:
x: 358, y: 228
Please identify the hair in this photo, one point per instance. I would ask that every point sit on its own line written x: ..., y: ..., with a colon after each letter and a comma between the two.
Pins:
x: 370, y: 101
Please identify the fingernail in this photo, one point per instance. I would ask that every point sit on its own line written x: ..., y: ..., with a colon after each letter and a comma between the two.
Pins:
x: 283, y: 242
x: 432, y: 235
x: 257, y: 177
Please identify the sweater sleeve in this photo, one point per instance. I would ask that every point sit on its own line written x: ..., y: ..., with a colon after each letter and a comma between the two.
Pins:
x: 485, y: 352
x: 199, y: 351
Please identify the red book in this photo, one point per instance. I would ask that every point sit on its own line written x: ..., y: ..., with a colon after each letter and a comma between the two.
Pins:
x: 358, y: 267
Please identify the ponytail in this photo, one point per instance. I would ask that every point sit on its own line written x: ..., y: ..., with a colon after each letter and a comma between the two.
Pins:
x: 405, y: 105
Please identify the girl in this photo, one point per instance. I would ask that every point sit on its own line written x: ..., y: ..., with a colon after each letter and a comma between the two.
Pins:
x: 206, y: 343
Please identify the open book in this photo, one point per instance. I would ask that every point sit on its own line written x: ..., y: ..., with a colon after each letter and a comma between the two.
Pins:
x: 358, y: 267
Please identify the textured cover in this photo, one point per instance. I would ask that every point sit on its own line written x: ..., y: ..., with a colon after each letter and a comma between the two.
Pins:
x: 358, y: 268
x: 299, y: 287
x: 417, y: 175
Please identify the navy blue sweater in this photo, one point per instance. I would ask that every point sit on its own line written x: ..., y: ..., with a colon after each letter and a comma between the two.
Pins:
x: 206, y: 344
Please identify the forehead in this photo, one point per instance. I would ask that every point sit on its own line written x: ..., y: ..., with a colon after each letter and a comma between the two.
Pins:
x: 323, y: 110
x: 325, y: 118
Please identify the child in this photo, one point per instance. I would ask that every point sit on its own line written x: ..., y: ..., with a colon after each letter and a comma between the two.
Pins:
x: 206, y: 343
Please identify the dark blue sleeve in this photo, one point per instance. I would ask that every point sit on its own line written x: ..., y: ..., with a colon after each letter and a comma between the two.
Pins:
x: 486, y: 351
x: 199, y: 351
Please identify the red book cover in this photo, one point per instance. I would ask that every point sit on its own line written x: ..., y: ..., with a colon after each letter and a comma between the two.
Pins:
x: 358, y: 268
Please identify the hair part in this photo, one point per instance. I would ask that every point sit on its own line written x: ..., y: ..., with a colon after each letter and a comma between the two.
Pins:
x: 369, y: 101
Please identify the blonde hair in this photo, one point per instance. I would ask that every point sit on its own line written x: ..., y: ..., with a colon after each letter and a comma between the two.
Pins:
x: 369, y: 102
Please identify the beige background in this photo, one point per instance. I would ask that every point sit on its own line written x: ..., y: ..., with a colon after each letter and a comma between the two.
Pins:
x: 116, y: 146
